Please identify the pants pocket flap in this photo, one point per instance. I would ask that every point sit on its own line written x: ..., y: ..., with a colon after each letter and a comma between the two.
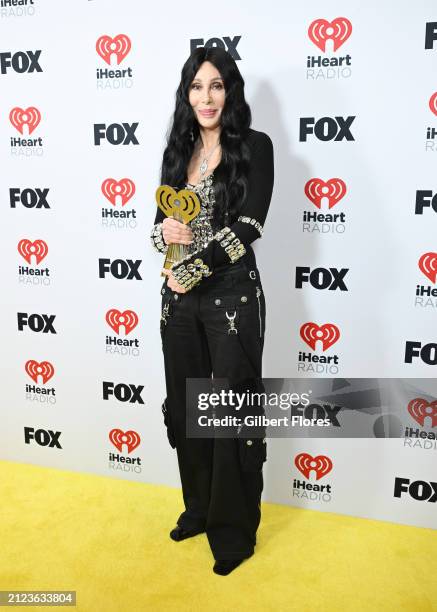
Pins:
x: 253, y: 453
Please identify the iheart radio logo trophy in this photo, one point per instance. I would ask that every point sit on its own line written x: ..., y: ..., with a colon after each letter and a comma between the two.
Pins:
x: 184, y: 206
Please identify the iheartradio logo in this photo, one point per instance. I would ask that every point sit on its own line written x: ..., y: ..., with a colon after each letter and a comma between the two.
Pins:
x: 117, y: 47
x: 419, y: 409
x: 128, y: 319
x: 433, y: 103
x: 29, y: 117
x: 121, y: 191
x: 428, y: 265
x: 328, y: 334
x: 44, y: 369
x: 37, y: 249
x: 333, y: 190
x: 338, y: 30
x: 321, y: 465
x: 130, y: 438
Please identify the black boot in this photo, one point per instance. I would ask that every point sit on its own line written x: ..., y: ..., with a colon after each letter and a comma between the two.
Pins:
x: 223, y: 567
x: 177, y: 534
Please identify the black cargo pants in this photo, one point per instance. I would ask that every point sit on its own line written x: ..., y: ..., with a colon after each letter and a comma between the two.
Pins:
x: 216, y: 329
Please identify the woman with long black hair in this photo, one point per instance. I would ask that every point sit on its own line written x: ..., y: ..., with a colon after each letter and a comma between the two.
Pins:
x: 213, y: 306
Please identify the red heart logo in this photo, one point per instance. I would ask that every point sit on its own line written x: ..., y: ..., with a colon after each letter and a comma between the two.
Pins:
x: 116, y: 319
x: 419, y: 409
x: 428, y: 265
x: 334, y: 190
x: 120, y: 46
x: 124, y: 189
x: 321, y: 465
x: 30, y: 117
x: 337, y: 30
x: 37, y: 248
x: 328, y: 334
x: 433, y: 103
x: 119, y: 437
x: 43, y: 369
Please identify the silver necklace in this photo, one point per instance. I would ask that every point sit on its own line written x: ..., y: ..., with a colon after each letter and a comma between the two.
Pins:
x: 204, y: 165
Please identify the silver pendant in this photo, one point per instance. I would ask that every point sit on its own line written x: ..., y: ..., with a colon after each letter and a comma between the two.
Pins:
x: 203, y: 166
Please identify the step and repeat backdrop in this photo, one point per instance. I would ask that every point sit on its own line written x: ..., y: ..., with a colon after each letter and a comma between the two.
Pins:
x: 347, y: 91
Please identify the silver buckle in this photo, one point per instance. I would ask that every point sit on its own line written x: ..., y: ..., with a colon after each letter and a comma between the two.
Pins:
x: 252, y: 274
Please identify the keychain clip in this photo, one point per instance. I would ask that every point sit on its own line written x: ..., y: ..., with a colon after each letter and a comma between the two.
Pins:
x: 165, y: 313
x: 232, y: 329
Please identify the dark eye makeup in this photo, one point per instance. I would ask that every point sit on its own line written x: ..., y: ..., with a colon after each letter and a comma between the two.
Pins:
x: 220, y: 86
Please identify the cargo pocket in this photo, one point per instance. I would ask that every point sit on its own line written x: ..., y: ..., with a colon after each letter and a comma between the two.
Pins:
x: 253, y: 453
x: 168, y: 424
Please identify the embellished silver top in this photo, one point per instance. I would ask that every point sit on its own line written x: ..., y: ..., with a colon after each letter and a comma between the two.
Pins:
x: 201, y: 226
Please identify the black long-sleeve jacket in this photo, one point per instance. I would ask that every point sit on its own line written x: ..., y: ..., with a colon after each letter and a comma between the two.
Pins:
x: 230, y: 242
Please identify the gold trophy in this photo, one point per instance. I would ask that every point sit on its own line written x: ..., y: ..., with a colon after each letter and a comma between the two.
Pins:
x: 184, y: 206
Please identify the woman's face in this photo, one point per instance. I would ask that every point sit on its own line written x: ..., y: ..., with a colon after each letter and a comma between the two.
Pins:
x: 207, y: 96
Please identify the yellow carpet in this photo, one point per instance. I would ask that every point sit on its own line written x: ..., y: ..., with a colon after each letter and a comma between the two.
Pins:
x: 108, y: 540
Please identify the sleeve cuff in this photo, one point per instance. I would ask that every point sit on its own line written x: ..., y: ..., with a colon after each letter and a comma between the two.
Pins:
x: 224, y: 247
x: 157, y: 239
x: 189, y: 272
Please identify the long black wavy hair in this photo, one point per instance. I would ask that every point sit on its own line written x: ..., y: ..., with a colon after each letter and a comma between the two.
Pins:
x: 230, y: 176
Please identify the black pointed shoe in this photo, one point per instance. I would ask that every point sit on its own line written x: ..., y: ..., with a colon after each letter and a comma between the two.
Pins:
x: 177, y: 534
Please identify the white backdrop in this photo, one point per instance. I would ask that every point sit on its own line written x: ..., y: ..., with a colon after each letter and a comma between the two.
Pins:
x: 386, y: 81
